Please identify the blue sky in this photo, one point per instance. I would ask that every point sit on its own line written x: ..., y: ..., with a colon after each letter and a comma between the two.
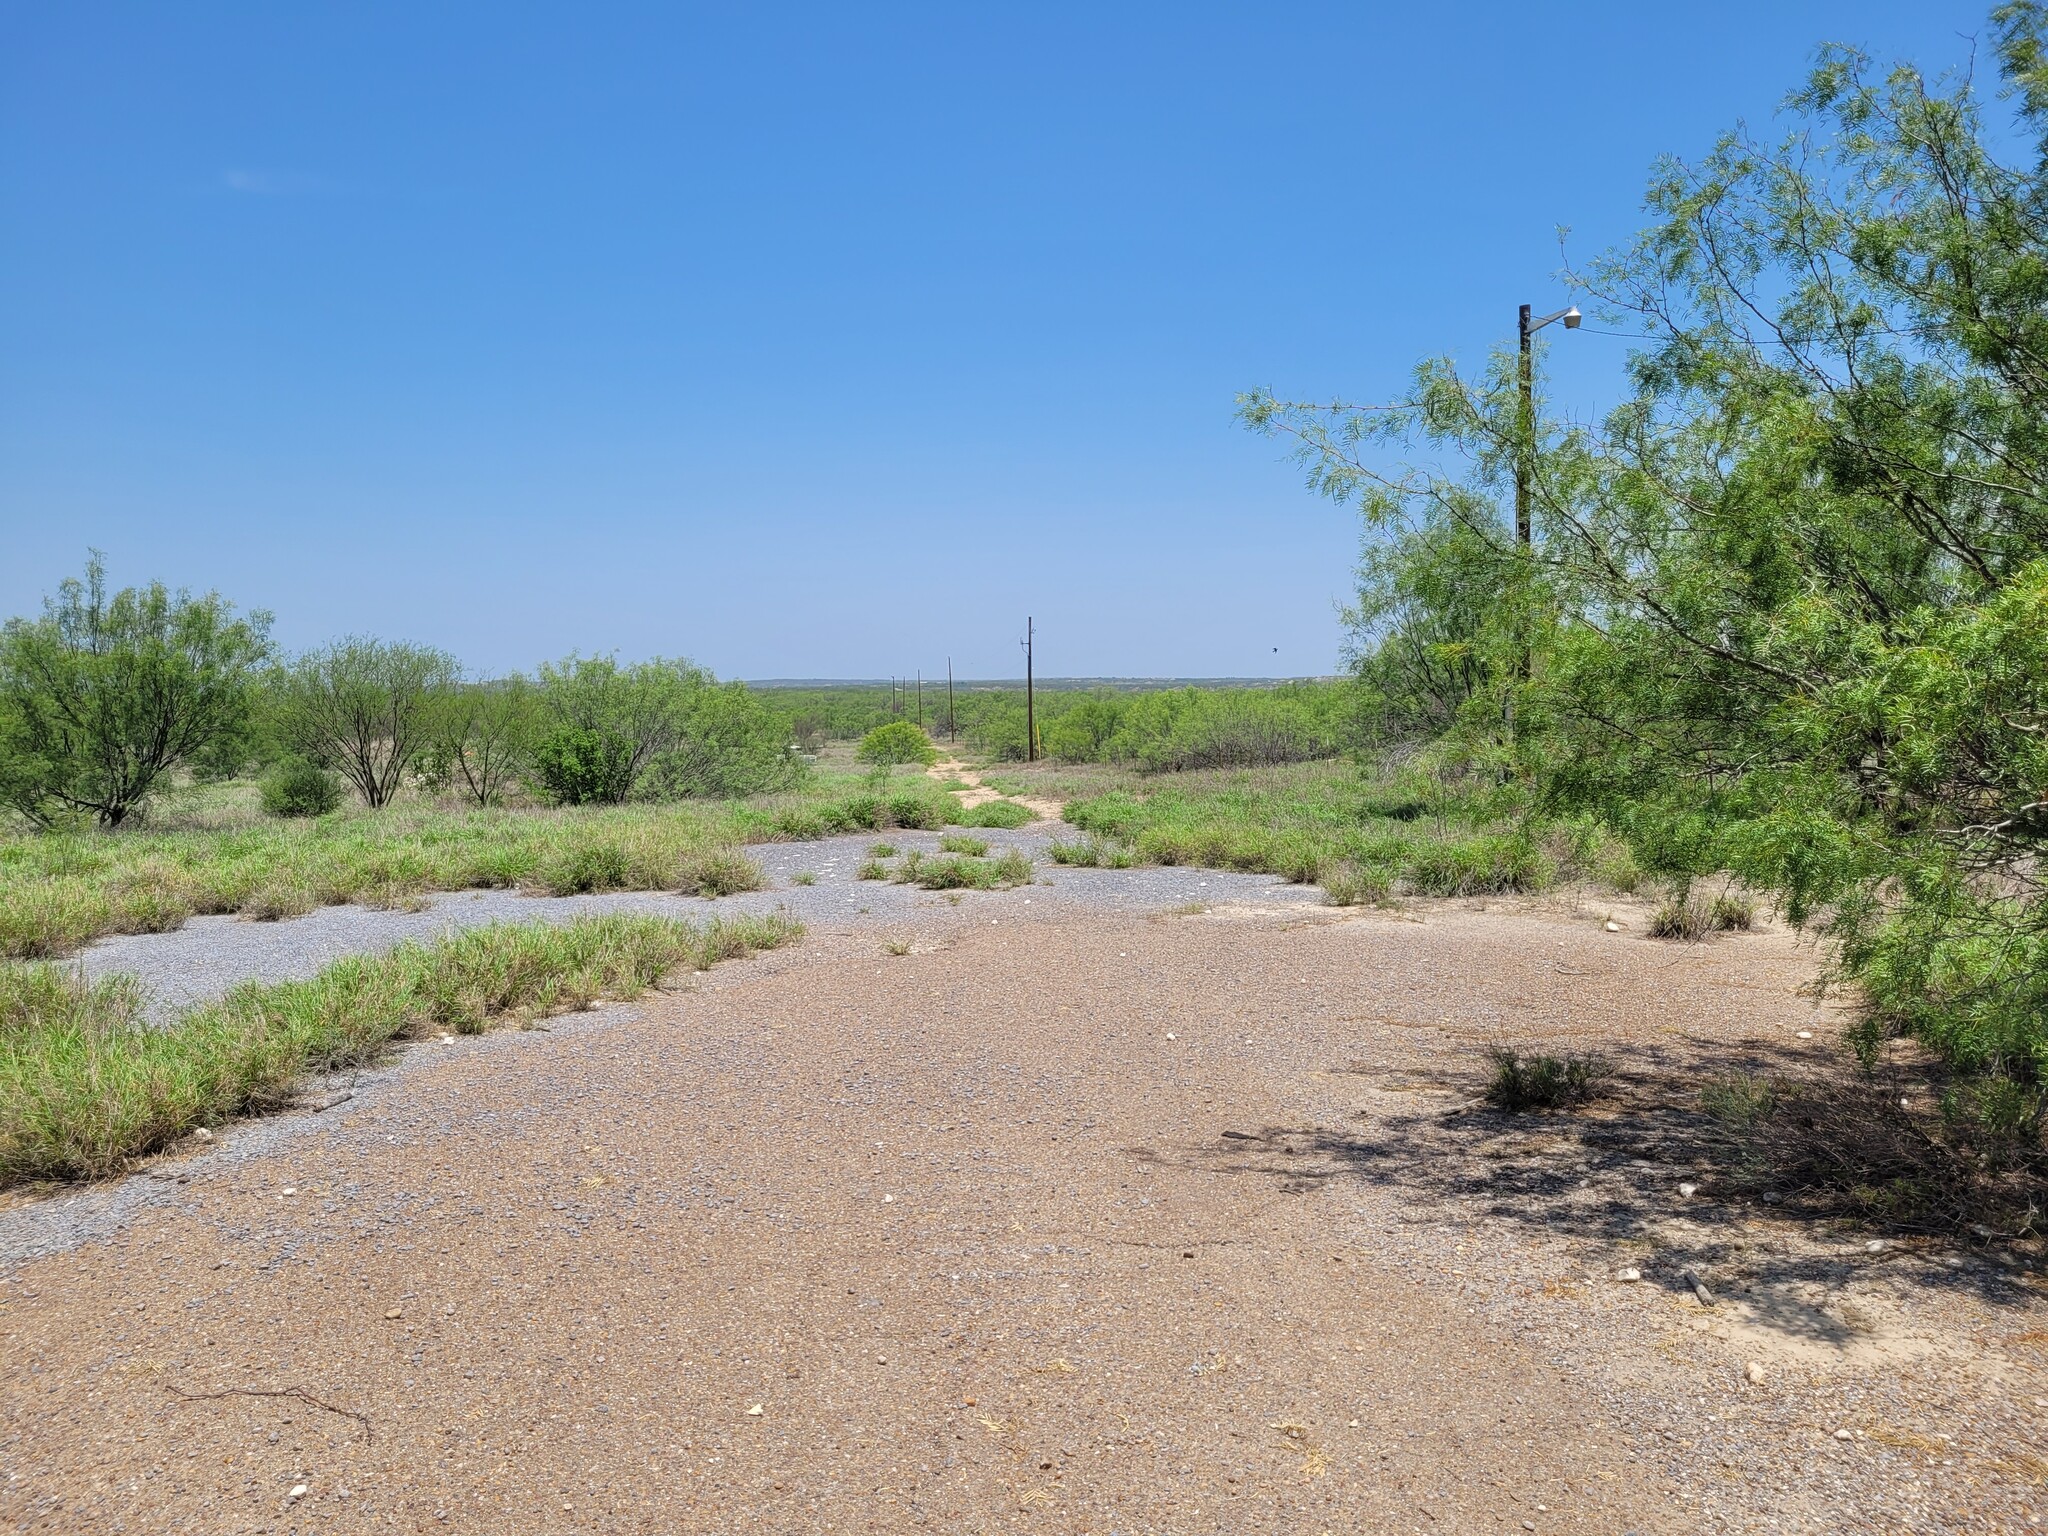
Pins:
x: 804, y: 341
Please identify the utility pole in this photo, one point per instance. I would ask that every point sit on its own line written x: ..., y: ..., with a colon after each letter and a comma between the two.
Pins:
x: 1525, y: 444
x: 1030, y: 699
x: 1524, y: 429
x: 952, y: 733
x: 920, y: 701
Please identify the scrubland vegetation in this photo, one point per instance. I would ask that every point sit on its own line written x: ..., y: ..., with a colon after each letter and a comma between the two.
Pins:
x: 1431, y: 832
x: 1777, y: 637
x: 1154, y: 729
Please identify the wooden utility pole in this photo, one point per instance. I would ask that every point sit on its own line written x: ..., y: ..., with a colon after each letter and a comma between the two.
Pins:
x: 1525, y: 427
x: 1030, y: 700
x: 920, y: 701
x: 952, y: 731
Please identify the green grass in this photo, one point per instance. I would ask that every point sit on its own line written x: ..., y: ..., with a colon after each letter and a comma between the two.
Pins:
x: 61, y: 890
x: 1359, y: 834
x: 86, y: 1086
x: 1006, y: 814
x: 973, y: 847
x: 961, y: 871
x: 1685, y: 916
x: 1541, y: 1081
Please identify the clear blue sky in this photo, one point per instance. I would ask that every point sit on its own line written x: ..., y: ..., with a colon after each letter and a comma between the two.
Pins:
x: 804, y: 341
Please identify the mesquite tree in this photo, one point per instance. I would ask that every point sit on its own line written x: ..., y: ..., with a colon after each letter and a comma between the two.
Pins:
x: 1789, y: 603
x: 365, y: 708
x: 104, y: 694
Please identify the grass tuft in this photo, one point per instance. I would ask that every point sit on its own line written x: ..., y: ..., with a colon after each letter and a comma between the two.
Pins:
x: 1346, y: 884
x: 954, y: 872
x: 1521, y: 1083
x: 1688, y: 918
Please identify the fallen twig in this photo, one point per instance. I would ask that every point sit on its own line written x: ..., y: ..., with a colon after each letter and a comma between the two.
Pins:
x: 294, y: 1392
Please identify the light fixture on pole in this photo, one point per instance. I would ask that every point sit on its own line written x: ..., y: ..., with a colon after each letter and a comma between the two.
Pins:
x: 1526, y: 450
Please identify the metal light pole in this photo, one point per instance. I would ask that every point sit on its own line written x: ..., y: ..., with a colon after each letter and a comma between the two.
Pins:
x: 1526, y: 426
x: 1525, y: 446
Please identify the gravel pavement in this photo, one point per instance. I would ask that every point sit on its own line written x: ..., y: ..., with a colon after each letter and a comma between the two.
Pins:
x: 210, y: 954
x: 1073, y: 1218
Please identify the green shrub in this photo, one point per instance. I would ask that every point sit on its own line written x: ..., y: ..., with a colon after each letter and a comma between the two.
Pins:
x: 1543, y: 1081
x: 918, y: 810
x: 728, y: 743
x: 972, y: 846
x: 299, y: 787
x: 899, y: 741
x: 581, y: 765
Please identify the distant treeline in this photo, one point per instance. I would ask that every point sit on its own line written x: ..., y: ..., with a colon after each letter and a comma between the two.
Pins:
x: 110, y: 692
x: 1160, y: 729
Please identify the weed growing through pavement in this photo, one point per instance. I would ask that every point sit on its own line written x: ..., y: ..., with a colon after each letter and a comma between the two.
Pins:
x: 962, y: 872
x: 1542, y: 1081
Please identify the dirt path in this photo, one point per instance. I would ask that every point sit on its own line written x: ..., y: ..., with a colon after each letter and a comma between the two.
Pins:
x: 978, y: 793
x: 1136, y: 1224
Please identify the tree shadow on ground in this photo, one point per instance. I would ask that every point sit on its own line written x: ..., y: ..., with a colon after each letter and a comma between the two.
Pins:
x: 1841, y: 1190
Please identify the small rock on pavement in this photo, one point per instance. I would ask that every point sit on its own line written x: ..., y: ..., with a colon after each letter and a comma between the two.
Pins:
x: 392, y: 1314
x: 1687, y: 1191
x: 1614, y: 927
x: 1843, y: 1434
x: 1629, y: 1275
x: 202, y: 1134
x: 298, y: 1491
x: 1753, y: 1373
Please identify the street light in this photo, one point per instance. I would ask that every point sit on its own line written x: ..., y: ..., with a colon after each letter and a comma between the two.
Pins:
x: 1526, y: 450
